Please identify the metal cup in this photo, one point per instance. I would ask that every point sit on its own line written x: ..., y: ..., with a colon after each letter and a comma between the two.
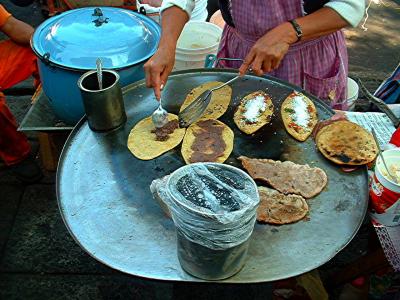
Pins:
x: 104, y: 108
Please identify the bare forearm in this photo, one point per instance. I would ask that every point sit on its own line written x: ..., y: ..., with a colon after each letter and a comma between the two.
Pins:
x: 173, y: 21
x: 322, y: 22
x: 160, y: 65
x: 18, y: 31
x: 268, y: 52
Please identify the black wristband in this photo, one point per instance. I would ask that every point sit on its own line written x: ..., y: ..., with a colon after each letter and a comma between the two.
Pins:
x: 297, y: 29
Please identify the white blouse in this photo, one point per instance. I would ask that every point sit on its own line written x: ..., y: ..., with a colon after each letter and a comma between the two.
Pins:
x: 350, y: 10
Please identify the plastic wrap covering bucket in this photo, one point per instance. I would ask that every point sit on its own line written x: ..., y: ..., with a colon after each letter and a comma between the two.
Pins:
x: 197, y: 40
x: 214, y: 210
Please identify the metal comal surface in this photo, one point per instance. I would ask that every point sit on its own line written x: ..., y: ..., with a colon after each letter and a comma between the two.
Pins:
x: 104, y: 197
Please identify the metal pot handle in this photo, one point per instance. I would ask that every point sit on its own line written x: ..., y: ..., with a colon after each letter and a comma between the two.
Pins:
x: 46, y: 59
x: 212, y: 61
x: 142, y: 11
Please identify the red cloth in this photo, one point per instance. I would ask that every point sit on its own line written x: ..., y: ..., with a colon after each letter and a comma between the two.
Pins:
x: 17, y: 63
x: 14, y: 146
x: 395, y: 140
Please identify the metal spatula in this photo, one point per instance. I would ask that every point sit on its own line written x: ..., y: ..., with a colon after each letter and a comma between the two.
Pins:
x: 196, y: 109
x: 382, y: 106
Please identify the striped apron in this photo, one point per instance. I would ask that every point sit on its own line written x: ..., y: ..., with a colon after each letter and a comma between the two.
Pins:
x: 319, y: 66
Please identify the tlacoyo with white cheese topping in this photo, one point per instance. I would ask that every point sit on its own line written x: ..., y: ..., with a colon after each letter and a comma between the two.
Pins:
x: 254, y: 111
x: 299, y: 115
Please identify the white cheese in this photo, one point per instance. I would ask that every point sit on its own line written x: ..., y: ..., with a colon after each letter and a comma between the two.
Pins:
x: 394, y: 171
x: 253, y: 108
x: 301, y: 115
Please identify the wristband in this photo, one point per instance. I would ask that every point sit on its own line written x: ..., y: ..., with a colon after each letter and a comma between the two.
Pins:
x: 297, y: 29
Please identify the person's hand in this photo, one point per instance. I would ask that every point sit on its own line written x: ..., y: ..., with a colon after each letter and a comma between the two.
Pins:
x: 154, y: 3
x: 158, y: 68
x: 268, y: 52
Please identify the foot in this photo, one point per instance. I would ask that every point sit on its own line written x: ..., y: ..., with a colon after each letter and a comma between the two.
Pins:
x: 27, y: 171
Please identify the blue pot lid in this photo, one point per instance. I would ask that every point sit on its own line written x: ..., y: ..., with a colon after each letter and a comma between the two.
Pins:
x: 76, y: 38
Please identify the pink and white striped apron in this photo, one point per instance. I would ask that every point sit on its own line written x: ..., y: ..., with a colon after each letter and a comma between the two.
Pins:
x: 319, y: 66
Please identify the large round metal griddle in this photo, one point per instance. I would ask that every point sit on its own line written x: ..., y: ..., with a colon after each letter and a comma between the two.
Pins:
x: 104, y: 197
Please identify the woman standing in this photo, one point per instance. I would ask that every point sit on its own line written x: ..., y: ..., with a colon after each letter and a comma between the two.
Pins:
x: 298, y: 41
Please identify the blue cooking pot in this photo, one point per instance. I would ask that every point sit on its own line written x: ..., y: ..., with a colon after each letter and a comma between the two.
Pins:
x: 68, y: 45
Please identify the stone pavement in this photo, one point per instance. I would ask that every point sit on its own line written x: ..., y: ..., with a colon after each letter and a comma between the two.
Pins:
x: 40, y: 260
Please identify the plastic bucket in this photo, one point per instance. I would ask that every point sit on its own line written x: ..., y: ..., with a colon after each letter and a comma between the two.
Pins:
x: 352, y: 93
x: 198, y: 39
x: 214, y: 210
x: 210, y: 264
x: 384, y: 192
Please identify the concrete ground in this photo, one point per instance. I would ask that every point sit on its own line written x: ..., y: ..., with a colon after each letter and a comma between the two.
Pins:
x: 39, y: 259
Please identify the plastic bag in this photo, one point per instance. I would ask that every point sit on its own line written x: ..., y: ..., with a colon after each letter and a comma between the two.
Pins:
x: 211, y: 204
x: 158, y: 190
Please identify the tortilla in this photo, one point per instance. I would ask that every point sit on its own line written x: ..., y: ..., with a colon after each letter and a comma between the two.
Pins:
x: 207, y: 141
x: 142, y: 141
x: 219, y: 102
x: 287, y: 177
x: 278, y: 208
x: 346, y: 143
x: 299, y: 116
x: 254, y: 111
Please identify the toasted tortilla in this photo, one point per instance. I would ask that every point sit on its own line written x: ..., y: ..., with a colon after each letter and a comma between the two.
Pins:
x: 346, y: 143
x: 287, y: 177
x: 299, y: 116
x: 219, y: 102
x: 278, y: 208
x: 207, y: 141
x: 143, y: 144
x: 258, y: 119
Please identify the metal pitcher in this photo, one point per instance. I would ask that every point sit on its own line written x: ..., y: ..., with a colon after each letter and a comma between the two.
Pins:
x: 104, y: 107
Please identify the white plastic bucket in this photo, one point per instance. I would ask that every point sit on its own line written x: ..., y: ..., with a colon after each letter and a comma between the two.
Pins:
x: 352, y: 93
x: 197, y: 40
x: 384, y: 192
